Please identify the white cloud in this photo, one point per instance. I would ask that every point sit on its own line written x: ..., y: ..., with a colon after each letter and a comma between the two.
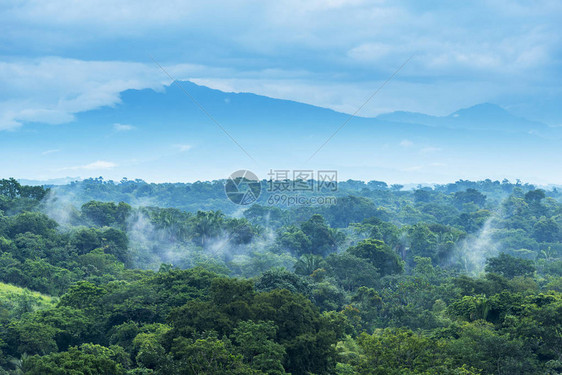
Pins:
x: 51, y: 90
x: 123, y: 127
x: 417, y: 168
x: 7, y: 121
x: 413, y: 168
x: 97, y: 165
x: 46, y: 116
x: 406, y: 143
x: 47, y: 152
x: 370, y: 51
x: 428, y: 150
x: 329, y: 53
x: 183, y: 148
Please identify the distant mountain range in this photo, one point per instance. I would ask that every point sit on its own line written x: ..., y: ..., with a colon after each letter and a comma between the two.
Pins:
x: 484, y: 116
x: 250, y: 109
x: 165, y: 136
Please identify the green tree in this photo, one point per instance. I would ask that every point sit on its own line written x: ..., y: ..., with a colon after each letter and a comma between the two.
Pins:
x: 257, y: 346
x: 379, y: 255
x: 88, y: 359
x: 546, y: 230
x: 470, y: 196
x: 208, y: 355
x: 509, y: 266
x: 323, y: 239
x: 398, y: 351
x: 307, y: 264
x: 352, y: 272
x: 282, y: 279
x: 106, y: 213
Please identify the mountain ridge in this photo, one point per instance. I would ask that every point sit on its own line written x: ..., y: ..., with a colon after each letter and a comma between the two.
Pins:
x: 250, y: 108
x: 482, y: 116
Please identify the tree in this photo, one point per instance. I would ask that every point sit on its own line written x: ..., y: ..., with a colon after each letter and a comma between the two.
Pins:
x: 208, y: 355
x: 116, y: 243
x: 207, y: 225
x: 379, y: 255
x: 84, y: 295
x: 29, y: 246
x: 481, y: 347
x: 295, y: 240
x: 32, y: 337
x: 546, y: 230
x: 106, y: 213
x: 399, y: 351
x: 369, y: 302
x: 422, y: 195
x: 282, y: 279
x: 150, y: 353
x: 352, y: 209
x: 377, y: 185
x: 241, y: 231
x: 34, y: 222
x: 303, y: 332
x: 257, y: 346
x: 352, y: 272
x: 98, y: 263
x: 535, y: 196
x: 88, y: 359
x: 540, y: 324
x: 323, y: 239
x: 509, y: 266
x: 12, y: 189
x: 328, y: 297
x: 470, y: 196
x: 307, y: 264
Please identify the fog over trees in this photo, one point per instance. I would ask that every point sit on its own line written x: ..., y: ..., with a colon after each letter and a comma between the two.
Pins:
x: 98, y: 277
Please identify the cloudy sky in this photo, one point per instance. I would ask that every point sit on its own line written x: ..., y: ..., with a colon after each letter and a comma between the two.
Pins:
x: 59, y: 58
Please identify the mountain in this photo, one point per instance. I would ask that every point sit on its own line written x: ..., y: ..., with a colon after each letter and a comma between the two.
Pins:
x: 485, y: 116
x: 173, y: 105
x: 165, y: 135
x: 182, y: 103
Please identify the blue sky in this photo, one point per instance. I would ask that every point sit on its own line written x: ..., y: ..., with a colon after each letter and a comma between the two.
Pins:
x: 61, y: 58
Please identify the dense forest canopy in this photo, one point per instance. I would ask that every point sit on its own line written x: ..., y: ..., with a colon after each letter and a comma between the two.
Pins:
x: 98, y: 277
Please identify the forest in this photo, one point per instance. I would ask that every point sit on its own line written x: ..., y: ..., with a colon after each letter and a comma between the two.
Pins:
x: 130, y: 277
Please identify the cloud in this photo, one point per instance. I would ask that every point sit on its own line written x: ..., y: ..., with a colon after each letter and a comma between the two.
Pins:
x: 413, y: 168
x: 97, y: 165
x: 406, y: 143
x: 429, y: 150
x: 183, y: 148
x: 418, y: 168
x: 47, y: 152
x: 51, y: 90
x: 329, y: 53
x: 122, y: 127
x: 370, y: 52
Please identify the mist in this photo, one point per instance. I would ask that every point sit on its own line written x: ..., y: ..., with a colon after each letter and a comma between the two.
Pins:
x: 476, y: 249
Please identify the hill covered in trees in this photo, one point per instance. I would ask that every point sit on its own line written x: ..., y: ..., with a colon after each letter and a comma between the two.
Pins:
x: 98, y: 277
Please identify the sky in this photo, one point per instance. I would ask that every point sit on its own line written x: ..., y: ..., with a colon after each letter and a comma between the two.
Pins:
x: 61, y: 58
